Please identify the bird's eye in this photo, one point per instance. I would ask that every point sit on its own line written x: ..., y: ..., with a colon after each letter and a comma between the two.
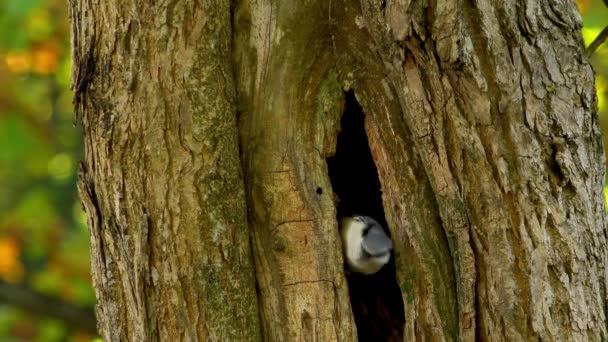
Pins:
x: 358, y: 219
x: 366, y: 229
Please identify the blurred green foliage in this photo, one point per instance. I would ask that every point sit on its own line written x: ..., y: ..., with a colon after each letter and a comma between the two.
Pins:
x: 43, y: 235
x: 595, y: 19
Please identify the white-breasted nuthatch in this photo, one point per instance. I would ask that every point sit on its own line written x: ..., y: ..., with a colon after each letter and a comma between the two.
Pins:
x: 366, y: 246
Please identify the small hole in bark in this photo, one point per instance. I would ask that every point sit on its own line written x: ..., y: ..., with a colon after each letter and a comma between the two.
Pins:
x: 376, y: 299
x: 319, y: 191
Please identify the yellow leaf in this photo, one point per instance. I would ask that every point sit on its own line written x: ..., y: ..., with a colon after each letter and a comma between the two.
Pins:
x: 11, y: 268
x: 589, y: 34
x: 601, y: 88
x: 45, y: 59
x: 17, y: 61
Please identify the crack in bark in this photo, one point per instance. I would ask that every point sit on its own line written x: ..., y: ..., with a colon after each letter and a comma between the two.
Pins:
x: 276, y: 227
x: 308, y: 282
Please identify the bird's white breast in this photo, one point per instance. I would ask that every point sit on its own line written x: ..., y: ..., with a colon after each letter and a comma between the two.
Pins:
x: 352, y: 238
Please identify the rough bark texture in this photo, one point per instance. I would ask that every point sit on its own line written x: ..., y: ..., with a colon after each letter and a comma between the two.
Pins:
x: 161, y: 182
x: 497, y: 101
x: 481, y: 118
x: 290, y: 110
x: 482, y: 122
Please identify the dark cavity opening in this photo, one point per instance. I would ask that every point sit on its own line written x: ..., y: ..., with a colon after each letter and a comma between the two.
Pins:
x: 376, y: 299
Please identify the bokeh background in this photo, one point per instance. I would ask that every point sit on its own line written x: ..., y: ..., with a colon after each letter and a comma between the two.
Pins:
x: 44, y: 254
x: 43, y: 234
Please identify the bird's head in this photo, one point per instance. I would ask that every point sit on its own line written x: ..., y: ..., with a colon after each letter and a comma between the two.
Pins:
x: 366, y: 246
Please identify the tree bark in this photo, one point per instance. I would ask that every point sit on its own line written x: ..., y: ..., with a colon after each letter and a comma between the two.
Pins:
x: 482, y: 122
x: 497, y: 102
x: 161, y: 183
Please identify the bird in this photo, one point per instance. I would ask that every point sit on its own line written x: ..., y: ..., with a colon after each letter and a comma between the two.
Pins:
x: 367, y: 248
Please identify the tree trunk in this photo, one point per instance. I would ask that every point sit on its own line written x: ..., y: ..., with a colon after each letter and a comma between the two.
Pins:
x: 161, y: 183
x: 481, y: 119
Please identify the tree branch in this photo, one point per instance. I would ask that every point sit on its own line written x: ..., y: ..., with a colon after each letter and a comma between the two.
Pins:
x: 35, y: 302
x: 597, y: 41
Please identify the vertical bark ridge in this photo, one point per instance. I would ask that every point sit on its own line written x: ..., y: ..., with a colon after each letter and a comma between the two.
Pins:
x: 288, y: 103
x: 161, y: 182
